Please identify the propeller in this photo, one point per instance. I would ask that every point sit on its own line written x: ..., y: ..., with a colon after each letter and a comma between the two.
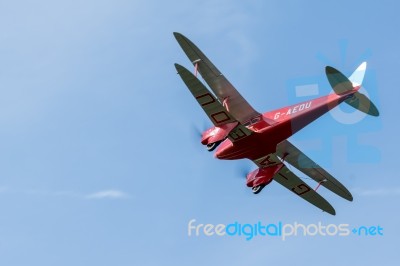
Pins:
x: 244, y: 167
x: 197, y: 131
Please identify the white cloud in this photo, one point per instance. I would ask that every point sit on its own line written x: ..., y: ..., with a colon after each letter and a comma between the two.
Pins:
x: 103, y: 194
x: 108, y: 194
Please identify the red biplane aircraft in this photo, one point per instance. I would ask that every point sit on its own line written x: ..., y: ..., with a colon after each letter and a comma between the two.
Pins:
x: 241, y: 132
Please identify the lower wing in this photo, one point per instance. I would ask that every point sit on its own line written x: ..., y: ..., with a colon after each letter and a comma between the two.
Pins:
x: 289, y: 180
x: 289, y: 153
x: 215, y: 111
x: 222, y: 88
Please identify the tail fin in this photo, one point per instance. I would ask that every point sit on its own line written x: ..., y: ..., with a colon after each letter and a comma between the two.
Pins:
x: 342, y: 85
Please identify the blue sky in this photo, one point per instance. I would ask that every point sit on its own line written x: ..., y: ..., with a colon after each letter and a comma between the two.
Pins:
x: 98, y: 165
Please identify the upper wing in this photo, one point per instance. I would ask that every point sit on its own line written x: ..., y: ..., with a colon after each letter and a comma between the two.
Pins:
x: 295, y: 157
x: 212, y: 107
x: 223, y: 89
x: 289, y: 180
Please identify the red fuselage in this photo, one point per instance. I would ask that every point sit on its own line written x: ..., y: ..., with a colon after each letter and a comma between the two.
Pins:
x: 275, y: 126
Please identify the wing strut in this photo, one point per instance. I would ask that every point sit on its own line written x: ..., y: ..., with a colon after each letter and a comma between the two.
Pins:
x: 196, y: 66
x: 319, y: 184
x: 225, y: 103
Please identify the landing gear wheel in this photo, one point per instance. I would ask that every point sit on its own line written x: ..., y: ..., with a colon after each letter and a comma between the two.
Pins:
x: 257, y: 189
x: 212, y: 146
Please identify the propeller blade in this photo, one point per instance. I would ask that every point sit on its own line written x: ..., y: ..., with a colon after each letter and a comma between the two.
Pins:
x: 244, y: 167
x: 197, y: 132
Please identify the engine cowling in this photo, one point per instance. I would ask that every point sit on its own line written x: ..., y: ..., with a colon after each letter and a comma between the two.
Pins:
x: 262, y: 176
x: 217, y: 134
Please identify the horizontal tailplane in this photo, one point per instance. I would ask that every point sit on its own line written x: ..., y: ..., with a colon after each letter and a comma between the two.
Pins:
x: 342, y: 85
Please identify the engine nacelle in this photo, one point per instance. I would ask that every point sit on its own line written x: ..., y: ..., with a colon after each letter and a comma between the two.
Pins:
x: 217, y: 134
x: 262, y: 176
